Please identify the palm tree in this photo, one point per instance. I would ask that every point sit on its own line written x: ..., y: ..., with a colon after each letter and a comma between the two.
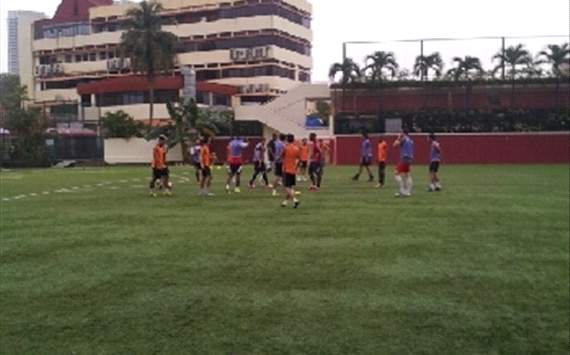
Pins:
x: 190, y: 122
x: 514, y: 56
x: 150, y: 50
x: 381, y: 62
x: 466, y: 68
x: 426, y: 63
x: 350, y: 71
x: 556, y: 55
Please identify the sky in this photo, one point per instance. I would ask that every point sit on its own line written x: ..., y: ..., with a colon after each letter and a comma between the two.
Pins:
x: 338, y: 21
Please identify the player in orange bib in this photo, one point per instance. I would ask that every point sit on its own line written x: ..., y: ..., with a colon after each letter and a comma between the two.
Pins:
x: 205, y: 167
x: 291, y: 155
x: 160, y: 174
x: 303, y: 160
x: 382, y: 158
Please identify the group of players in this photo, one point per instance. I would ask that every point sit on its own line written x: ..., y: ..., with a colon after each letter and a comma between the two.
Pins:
x: 290, y: 161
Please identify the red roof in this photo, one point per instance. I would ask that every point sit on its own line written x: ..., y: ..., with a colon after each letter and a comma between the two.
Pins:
x: 140, y: 83
x: 76, y: 10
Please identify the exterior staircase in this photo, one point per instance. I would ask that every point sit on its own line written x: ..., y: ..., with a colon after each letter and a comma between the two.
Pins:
x: 286, y: 113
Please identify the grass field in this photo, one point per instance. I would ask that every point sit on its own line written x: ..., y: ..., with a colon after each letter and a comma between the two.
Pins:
x: 481, y: 268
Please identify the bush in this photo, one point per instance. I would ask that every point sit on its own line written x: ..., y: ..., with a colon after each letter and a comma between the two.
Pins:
x: 120, y: 124
x: 469, y: 121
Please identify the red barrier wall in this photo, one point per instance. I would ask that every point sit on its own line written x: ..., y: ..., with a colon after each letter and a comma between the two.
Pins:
x: 538, y: 148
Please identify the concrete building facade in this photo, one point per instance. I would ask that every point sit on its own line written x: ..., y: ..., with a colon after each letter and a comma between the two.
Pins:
x: 20, y: 36
x: 260, y: 47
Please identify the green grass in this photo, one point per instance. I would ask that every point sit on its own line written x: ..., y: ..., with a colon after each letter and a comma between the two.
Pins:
x: 481, y: 268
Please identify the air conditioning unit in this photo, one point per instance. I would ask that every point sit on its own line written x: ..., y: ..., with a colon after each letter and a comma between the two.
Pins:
x: 42, y: 70
x: 114, y: 64
x: 57, y: 68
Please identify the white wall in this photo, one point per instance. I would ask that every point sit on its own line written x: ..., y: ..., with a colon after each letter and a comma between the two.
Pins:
x: 139, y: 112
x: 135, y: 151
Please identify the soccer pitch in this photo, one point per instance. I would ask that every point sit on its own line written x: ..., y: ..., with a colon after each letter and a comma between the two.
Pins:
x: 91, y: 265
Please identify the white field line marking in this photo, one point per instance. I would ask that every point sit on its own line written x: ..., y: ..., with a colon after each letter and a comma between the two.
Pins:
x: 76, y: 188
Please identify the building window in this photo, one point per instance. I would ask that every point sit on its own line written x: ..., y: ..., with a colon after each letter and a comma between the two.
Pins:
x: 136, y: 98
x: 221, y: 100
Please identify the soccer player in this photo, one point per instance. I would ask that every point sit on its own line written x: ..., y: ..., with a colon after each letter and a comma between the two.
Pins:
x: 304, y: 160
x: 160, y: 173
x: 435, y: 161
x: 195, y: 158
x: 291, y: 155
x: 271, y: 151
x: 316, y: 163
x: 235, y: 151
x: 382, y: 157
x: 403, y: 170
x: 259, y: 164
x: 205, y: 168
x: 278, y: 164
x: 365, y: 158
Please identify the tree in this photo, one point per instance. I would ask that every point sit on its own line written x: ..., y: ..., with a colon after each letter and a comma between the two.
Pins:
x: 150, y: 50
x: 556, y: 56
x: 514, y: 57
x: 190, y: 122
x: 381, y: 63
x: 120, y: 124
x: 424, y: 64
x: 27, y: 127
x: 350, y: 71
x: 12, y: 94
x: 466, y: 68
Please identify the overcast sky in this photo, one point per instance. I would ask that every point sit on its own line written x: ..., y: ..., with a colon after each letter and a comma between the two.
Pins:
x: 336, y: 21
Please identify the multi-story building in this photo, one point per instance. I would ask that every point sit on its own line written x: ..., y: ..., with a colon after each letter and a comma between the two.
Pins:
x: 20, y: 35
x: 261, y: 48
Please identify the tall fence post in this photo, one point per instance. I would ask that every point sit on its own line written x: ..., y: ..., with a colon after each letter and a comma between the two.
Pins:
x: 503, y: 49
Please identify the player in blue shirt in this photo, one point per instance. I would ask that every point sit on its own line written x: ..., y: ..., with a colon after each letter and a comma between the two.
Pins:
x: 403, y: 170
x: 434, y: 163
x: 195, y: 158
x: 365, y: 158
x: 235, y: 161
